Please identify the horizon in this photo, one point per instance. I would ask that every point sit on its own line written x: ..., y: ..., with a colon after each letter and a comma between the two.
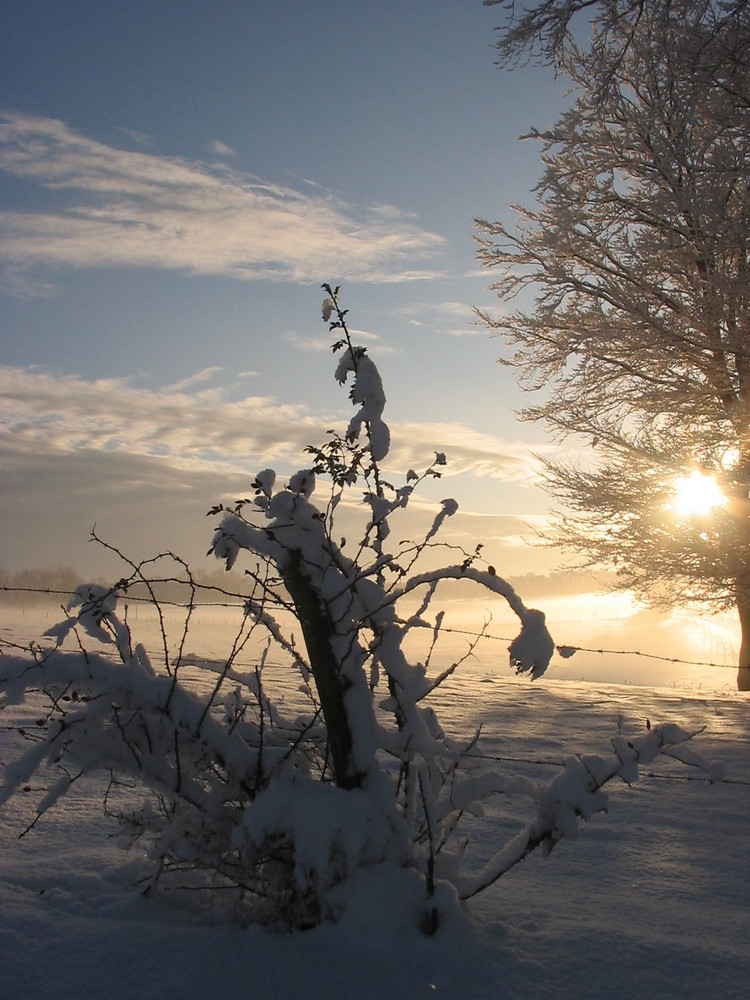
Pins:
x: 615, y: 639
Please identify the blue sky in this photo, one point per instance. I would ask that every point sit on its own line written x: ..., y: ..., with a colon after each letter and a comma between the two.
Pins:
x: 176, y: 180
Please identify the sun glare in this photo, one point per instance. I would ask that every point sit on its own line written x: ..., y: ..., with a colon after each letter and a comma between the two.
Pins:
x: 696, y: 495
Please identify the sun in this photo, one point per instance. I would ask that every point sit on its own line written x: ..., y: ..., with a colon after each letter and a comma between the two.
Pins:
x: 696, y: 495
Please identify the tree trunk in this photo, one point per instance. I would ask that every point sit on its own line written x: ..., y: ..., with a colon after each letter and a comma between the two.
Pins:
x: 317, y: 630
x: 743, y: 608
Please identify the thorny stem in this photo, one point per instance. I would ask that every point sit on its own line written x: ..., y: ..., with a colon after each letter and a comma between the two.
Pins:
x: 139, y: 574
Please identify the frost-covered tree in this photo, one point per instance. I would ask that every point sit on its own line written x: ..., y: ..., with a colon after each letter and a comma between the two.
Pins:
x: 544, y: 31
x: 637, y: 252
x: 235, y: 795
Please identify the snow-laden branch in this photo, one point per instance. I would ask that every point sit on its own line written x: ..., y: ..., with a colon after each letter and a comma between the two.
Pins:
x: 532, y: 650
x: 576, y: 793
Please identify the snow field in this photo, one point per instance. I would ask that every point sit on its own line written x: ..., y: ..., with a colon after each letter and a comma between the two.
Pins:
x: 652, y: 897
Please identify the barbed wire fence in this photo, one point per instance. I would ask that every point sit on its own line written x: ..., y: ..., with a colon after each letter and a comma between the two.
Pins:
x: 233, y: 601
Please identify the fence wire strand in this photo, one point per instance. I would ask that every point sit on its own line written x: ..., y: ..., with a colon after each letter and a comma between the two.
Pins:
x: 236, y: 602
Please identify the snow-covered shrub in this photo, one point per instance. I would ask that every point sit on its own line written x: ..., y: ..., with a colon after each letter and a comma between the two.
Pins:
x: 225, y: 789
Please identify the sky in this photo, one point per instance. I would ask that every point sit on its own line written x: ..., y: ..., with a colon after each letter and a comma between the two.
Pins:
x: 177, y: 179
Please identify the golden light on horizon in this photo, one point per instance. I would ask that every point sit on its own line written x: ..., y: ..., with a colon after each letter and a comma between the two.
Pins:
x: 696, y: 495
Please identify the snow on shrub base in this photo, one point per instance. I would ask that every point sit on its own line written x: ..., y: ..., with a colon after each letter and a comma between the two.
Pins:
x: 284, y: 812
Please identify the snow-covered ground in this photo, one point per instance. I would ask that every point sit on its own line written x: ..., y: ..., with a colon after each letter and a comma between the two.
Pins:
x: 653, y: 898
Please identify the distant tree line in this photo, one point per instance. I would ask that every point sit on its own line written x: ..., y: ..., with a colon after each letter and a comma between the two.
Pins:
x: 37, y: 586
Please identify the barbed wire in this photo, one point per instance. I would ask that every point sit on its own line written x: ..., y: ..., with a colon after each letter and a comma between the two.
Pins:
x: 701, y: 778
x: 534, y: 761
x: 550, y: 762
x: 145, y: 599
x: 237, y: 601
x: 566, y: 650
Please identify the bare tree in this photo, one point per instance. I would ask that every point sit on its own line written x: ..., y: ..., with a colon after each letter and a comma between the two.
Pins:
x: 638, y: 343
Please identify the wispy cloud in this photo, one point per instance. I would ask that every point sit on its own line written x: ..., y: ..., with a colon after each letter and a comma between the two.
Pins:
x: 322, y: 345
x: 146, y: 464
x: 221, y: 149
x: 197, y: 379
x: 54, y: 414
x: 467, y: 450
x: 453, y: 319
x: 314, y: 345
x: 120, y: 207
x: 139, y: 138
x: 208, y: 428
x: 195, y: 429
